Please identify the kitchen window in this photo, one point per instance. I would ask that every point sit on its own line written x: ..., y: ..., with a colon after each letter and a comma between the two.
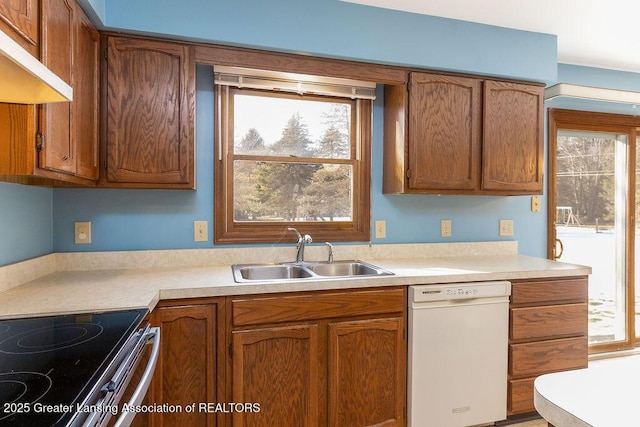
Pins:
x: 292, y: 151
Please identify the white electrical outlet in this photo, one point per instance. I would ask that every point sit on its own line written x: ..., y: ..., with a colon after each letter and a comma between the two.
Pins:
x: 506, y: 227
x: 82, y: 232
x: 200, y: 231
x: 381, y: 229
x: 445, y: 228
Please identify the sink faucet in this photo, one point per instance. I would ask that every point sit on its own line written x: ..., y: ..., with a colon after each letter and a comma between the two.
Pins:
x: 330, y: 260
x: 302, y: 241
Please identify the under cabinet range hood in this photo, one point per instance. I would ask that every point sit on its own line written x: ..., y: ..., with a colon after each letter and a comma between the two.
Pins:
x: 25, y: 80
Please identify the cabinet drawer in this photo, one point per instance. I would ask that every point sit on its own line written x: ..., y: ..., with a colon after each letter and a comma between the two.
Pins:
x: 548, y: 321
x: 537, y: 358
x: 552, y: 291
x: 314, y: 306
x: 520, y: 396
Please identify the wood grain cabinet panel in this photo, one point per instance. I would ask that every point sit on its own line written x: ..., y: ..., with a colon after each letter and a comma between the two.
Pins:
x: 444, y: 132
x: 541, y: 357
x: 150, y: 107
x: 548, y: 321
x: 277, y: 368
x: 447, y: 134
x: 321, y: 358
x: 520, y: 396
x: 513, y: 141
x: 86, y: 97
x: 19, y: 20
x: 58, y: 142
x: 189, y: 366
x: 364, y: 357
x: 314, y: 306
x: 56, y: 139
x: 549, y: 291
x: 548, y: 332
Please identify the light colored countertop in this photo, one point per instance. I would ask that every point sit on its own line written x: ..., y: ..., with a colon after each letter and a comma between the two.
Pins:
x: 601, y: 395
x: 93, y: 290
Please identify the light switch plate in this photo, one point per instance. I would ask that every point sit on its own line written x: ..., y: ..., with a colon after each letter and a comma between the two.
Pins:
x: 445, y: 228
x: 200, y: 231
x: 381, y: 229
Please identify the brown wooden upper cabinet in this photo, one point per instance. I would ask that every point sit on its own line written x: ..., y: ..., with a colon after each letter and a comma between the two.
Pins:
x: 19, y: 20
x: 447, y: 134
x: 56, y: 142
x: 149, y: 93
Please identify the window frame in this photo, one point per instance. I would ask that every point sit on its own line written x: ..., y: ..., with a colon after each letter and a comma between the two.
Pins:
x: 228, y: 231
x: 561, y: 119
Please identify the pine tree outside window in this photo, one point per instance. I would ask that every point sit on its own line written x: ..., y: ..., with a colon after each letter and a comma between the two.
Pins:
x: 286, y: 159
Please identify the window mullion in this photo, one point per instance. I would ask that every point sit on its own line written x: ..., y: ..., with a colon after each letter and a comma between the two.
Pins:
x: 292, y: 159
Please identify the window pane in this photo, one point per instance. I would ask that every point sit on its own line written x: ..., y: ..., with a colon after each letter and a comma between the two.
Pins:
x: 277, y: 191
x: 591, y: 223
x: 285, y: 126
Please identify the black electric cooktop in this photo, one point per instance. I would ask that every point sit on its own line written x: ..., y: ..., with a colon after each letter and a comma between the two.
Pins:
x: 48, y: 365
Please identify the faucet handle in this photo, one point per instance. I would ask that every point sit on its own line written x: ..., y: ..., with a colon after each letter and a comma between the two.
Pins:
x: 330, y: 251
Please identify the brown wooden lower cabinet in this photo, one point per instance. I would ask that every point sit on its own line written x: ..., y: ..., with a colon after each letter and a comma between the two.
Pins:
x: 366, y: 371
x: 329, y: 358
x: 520, y: 396
x: 277, y: 368
x: 188, y: 369
x: 335, y: 358
x: 324, y: 358
x: 547, y: 333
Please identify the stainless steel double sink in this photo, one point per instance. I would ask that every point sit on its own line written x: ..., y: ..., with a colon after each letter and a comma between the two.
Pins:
x: 304, y: 271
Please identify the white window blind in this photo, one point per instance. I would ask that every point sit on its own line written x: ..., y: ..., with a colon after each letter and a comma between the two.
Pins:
x: 291, y: 82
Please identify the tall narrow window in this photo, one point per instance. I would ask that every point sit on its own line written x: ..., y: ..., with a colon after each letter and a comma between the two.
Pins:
x: 290, y: 159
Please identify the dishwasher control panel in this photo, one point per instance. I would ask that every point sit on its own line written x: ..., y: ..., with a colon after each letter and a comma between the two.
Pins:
x: 458, y: 291
x: 461, y: 292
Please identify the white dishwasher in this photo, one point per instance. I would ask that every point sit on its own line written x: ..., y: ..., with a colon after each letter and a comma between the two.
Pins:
x: 457, y: 360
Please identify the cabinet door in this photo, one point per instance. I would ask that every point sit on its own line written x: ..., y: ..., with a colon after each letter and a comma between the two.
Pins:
x: 150, y: 112
x: 86, y: 95
x: 367, y: 365
x: 278, y: 369
x: 444, y: 132
x: 19, y: 19
x: 187, y: 369
x: 17, y: 139
x: 57, y: 141
x: 513, y: 141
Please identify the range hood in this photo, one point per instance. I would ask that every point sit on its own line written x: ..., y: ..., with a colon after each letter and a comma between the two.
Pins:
x: 25, y: 80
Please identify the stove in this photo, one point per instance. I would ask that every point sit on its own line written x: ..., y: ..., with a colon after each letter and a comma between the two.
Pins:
x: 49, y: 366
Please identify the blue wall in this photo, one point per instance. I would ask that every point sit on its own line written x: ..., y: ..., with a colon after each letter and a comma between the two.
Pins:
x: 334, y: 28
x: 141, y: 219
x: 145, y: 219
x: 25, y: 222
x: 153, y: 219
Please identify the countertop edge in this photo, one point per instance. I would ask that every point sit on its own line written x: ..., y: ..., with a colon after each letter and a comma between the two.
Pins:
x: 105, y: 290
